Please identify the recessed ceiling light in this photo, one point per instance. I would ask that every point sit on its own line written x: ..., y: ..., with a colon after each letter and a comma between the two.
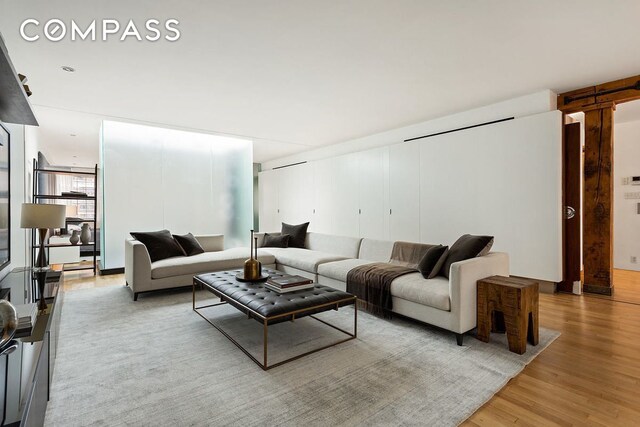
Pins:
x: 69, y: 69
x: 72, y: 134
x: 75, y: 157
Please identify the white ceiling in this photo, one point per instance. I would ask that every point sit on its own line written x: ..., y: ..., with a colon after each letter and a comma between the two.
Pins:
x: 299, y: 74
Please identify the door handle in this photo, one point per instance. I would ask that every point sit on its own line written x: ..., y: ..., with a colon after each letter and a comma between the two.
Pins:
x: 569, y: 212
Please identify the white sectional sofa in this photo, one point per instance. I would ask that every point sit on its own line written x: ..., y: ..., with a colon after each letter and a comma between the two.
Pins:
x: 447, y: 303
x: 142, y: 275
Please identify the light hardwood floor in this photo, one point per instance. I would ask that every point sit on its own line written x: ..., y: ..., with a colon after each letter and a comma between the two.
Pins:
x: 590, y: 376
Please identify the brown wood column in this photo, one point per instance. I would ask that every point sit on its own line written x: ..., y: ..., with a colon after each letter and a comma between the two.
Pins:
x: 598, y: 200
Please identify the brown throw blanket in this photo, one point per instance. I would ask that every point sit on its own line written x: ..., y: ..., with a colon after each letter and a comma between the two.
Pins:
x: 371, y: 283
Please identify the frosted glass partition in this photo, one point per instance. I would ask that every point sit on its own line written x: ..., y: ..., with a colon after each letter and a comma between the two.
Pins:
x: 154, y: 178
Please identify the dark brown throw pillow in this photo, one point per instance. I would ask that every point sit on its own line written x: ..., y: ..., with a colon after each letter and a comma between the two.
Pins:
x: 160, y: 244
x: 297, y: 234
x: 271, y: 241
x: 432, y: 261
x: 466, y: 247
x: 189, y: 244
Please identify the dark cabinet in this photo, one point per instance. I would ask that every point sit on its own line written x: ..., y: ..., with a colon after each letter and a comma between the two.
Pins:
x: 29, y: 368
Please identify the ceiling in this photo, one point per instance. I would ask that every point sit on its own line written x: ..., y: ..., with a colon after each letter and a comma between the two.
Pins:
x: 301, y: 74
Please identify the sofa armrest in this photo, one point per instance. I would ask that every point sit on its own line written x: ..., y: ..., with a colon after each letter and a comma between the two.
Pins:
x: 463, y: 278
x: 211, y: 242
x: 137, y: 265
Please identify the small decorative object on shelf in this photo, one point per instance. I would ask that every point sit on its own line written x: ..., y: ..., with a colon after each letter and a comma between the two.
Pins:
x: 75, y: 237
x: 252, y: 267
x: 85, y: 235
x: 8, y: 321
x: 41, y: 278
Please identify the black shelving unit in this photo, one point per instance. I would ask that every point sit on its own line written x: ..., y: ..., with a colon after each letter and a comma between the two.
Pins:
x: 43, y: 198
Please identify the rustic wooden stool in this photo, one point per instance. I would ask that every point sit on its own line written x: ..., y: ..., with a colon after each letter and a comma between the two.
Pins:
x: 508, y: 304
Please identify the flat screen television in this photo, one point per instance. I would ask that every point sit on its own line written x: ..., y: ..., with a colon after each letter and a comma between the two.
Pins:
x: 4, y: 198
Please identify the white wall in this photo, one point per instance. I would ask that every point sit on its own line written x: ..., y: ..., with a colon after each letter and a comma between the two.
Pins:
x: 502, y: 179
x: 523, y: 106
x: 626, y: 220
x: 154, y: 178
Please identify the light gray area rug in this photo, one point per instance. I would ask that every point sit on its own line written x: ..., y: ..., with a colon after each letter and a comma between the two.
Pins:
x: 155, y: 362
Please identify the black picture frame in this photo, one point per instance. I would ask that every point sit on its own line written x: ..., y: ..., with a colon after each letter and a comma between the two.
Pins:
x: 5, y: 197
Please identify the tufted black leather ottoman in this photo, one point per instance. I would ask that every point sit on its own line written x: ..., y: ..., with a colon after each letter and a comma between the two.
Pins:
x: 269, y: 307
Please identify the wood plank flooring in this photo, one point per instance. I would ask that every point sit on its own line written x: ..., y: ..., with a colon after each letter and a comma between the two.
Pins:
x: 590, y: 376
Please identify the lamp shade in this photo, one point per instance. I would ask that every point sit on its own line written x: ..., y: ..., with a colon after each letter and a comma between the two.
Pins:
x: 72, y: 211
x: 35, y: 215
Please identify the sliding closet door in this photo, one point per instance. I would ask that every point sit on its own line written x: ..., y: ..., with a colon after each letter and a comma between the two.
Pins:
x: 404, y: 192
x: 346, y: 198
x: 323, y: 196
x: 295, y: 194
x: 372, y: 182
x: 268, y: 195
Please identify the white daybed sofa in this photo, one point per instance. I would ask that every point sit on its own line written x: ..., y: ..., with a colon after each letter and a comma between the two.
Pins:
x: 142, y: 275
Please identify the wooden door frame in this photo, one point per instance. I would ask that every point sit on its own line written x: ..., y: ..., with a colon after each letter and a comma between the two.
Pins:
x: 598, y: 102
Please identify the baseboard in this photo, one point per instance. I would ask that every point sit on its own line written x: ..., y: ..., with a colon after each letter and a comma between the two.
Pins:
x: 601, y: 290
x: 108, y: 271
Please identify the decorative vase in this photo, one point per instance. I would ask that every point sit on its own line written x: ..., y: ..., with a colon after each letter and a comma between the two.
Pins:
x: 85, y: 235
x: 252, y: 266
x: 8, y: 320
x: 75, y: 237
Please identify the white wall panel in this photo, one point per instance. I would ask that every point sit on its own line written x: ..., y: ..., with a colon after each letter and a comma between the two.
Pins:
x: 345, y: 188
x: 404, y: 192
x: 502, y: 180
x: 323, y: 203
x: 626, y: 216
x: 295, y: 194
x: 268, y: 195
x: 372, y: 179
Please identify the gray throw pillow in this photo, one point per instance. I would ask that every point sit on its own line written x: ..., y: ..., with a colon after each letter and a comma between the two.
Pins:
x: 160, y: 244
x: 431, y: 263
x: 466, y: 247
x: 270, y: 241
x: 189, y: 244
x: 297, y: 234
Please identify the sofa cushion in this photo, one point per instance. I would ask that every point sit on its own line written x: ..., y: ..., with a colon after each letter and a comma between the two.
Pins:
x: 159, y: 244
x: 346, y: 247
x: 302, y: 259
x: 375, y: 250
x: 190, y: 246
x: 271, y: 241
x: 206, y: 262
x: 466, y: 247
x: 338, y: 269
x: 431, y: 292
x: 297, y: 234
x: 432, y: 261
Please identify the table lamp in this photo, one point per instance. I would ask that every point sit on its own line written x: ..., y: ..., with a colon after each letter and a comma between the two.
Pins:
x: 43, y: 217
